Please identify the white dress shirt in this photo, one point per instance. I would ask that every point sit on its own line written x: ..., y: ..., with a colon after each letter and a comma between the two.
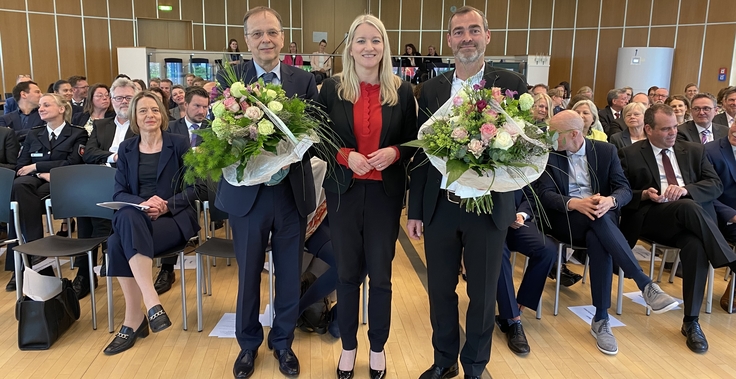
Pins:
x: 457, y: 83
x: 56, y: 131
x: 260, y: 71
x: 660, y: 166
x: 578, y: 174
x: 120, y: 131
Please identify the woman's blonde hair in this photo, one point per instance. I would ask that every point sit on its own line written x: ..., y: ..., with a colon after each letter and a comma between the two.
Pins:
x: 62, y: 102
x: 593, y: 110
x: 631, y: 106
x: 348, y: 87
x: 163, y: 111
x: 546, y: 99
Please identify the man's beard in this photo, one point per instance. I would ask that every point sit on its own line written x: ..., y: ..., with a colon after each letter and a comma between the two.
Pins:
x: 472, y: 58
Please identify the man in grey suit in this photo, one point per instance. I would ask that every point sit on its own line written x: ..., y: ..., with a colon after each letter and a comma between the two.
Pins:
x: 729, y: 108
x: 702, y: 129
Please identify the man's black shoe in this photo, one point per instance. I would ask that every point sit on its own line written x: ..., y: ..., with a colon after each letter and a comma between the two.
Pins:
x: 219, y: 224
x: 164, y: 280
x: 244, y: 364
x: 696, y: 341
x: 567, y: 277
x: 80, y: 285
x: 10, y: 287
x: 437, y: 372
x: 517, y: 339
x: 288, y: 363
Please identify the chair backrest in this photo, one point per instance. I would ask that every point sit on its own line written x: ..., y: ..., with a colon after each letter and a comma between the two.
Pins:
x: 6, y: 187
x: 76, y: 190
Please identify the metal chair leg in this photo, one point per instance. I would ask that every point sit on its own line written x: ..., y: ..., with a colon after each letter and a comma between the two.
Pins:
x: 620, y: 299
x: 661, y: 267
x: 727, y: 274
x: 110, y: 312
x: 270, y: 286
x: 58, y: 267
x: 732, y: 287
x: 183, y: 291
x: 585, y: 269
x: 93, y: 299
x: 209, y: 276
x: 539, y: 309
x: 557, y: 278
x: 709, y: 289
x: 18, y: 275
x: 199, y: 291
x: 675, y: 264
x: 365, y: 300
x: 651, y: 261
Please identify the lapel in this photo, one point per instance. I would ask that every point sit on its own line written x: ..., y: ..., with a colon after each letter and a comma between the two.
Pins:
x: 683, y: 162
x: 66, y: 131
x: 727, y: 152
x: 445, y: 87
x: 167, y: 150
x: 131, y: 152
x: 106, y: 133
x: 693, y: 130
x: 648, y: 156
x: 348, y: 108
x: 286, y: 79
x: 626, y: 136
x: 43, y: 137
x: 561, y: 169
x: 249, y: 75
x: 386, y: 112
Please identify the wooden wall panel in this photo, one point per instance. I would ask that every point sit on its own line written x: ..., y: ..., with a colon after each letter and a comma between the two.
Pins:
x: 518, y: 14
x: 122, y: 36
x: 479, y: 4
x: 71, y: 51
x: 431, y: 17
x: 564, y: 14
x: 235, y: 11
x: 637, y: 13
x: 410, y: 14
x: 635, y: 37
x: 665, y: 12
x: 143, y: 8
x: 393, y: 38
x: 541, y: 15
x: 95, y: 8
x: 662, y: 37
x: 436, y: 39
x: 98, y: 51
x: 198, y: 31
x: 719, y: 53
x: 693, y: 11
x: 496, y: 14
x: 497, y: 46
x: 214, y: 12
x: 588, y: 12
x: 560, y: 60
x: 173, y: 14
x: 68, y: 7
x: 319, y: 16
x: 215, y: 38
x: 43, y: 46
x: 345, y: 13
x: 687, y: 56
x: 192, y: 10
x: 407, y: 37
x: 120, y: 9
x: 389, y: 14
x: 606, y: 67
x: 236, y: 32
x: 14, y: 54
x: 612, y: 13
x: 516, y: 43
x: 584, y: 59
x: 539, y: 42
x: 721, y: 11
x: 14, y: 5
x: 279, y: 6
x: 41, y: 6
x: 296, y: 11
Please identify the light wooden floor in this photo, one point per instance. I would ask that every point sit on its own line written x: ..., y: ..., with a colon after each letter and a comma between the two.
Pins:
x: 562, y: 347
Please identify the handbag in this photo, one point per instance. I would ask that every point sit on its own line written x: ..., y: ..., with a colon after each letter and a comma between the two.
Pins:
x: 41, y: 323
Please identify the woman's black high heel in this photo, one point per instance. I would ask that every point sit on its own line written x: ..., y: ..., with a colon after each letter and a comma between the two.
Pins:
x: 158, y: 318
x: 378, y: 374
x: 348, y: 374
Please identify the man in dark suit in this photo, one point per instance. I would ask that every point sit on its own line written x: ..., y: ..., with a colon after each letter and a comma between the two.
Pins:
x: 197, y: 102
x: 702, y: 129
x: 617, y: 99
x: 9, y: 148
x: 729, y: 108
x: 674, y: 189
x: 27, y: 95
x: 449, y: 228
x: 721, y: 155
x: 582, y: 190
x: 523, y: 236
x: 279, y: 207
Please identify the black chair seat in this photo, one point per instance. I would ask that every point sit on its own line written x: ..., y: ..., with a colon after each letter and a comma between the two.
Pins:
x: 56, y: 246
x: 217, y: 247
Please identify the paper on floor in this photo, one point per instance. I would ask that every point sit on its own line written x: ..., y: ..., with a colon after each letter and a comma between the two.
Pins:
x: 225, y: 328
x: 587, y: 312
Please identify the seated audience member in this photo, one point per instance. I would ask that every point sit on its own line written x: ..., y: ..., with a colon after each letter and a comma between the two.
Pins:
x: 321, y: 63
x: 660, y: 95
x: 293, y: 58
x: 565, y: 86
x: 541, y: 109
x: 408, y: 59
x: 26, y: 95
x: 166, y: 86
x: 701, y: 128
x: 681, y: 106
x: 189, y: 77
x: 586, y: 209
x: 9, y: 148
x: 154, y: 83
x: 139, y: 84
x: 177, y: 96
x: 148, y: 173
x: 64, y: 89
x: 591, y: 125
x: 634, y: 132
x: 586, y: 91
x: 108, y: 133
x: 523, y: 236
x: 617, y: 100
x: 728, y: 104
x: 80, y: 87
x: 432, y: 56
x: 10, y: 104
x: 96, y: 107
x: 199, y: 82
x: 719, y: 99
x: 651, y: 92
x: 721, y: 154
x: 232, y: 47
x: 539, y: 88
x: 674, y: 187
x: 557, y: 95
x: 691, y: 89
x: 641, y: 97
x: 629, y: 93
x: 55, y: 144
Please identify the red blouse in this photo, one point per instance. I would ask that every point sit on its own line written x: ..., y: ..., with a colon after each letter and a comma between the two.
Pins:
x: 367, y: 122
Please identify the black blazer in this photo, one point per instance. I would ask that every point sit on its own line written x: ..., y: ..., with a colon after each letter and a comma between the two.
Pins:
x: 238, y: 201
x: 607, y: 118
x: 66, y: 150
x: 721, y: 119
x: 640, y: 166
x: 82, y: 118
x: 688, y: 131
x: 180, y: 127
x: 98, y: 146
x: 169, y: 180
x: 9, y: 147
x: 399, y: 126
x: 424, y: 186
x: 12, y: 120
x: 621, y: 139
x: 720, y: 155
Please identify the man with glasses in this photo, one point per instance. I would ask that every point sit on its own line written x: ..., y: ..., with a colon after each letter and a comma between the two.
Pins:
x: 729, y: 108
x: 702, y: 129
x: 660, y: 95
x: 79, y: 90
x: 281, y: 209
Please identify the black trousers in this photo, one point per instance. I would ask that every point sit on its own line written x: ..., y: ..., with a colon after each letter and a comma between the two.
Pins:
x: 29, y: 192
x: 365, y: 226
x: 451, y: 233
x: 686, y: 225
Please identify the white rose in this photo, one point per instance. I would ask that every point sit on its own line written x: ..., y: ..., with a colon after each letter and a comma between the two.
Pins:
x: 271, y: 94
x: 526, y: 101
x: 237, y: 89
x: 503, y: 140
x: 253, y: 113
x: 265, y: 127
x: 275, y: 106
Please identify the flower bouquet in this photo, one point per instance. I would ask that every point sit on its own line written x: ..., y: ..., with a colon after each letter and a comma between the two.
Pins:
x: 257, y: 130
x: 483, y: 141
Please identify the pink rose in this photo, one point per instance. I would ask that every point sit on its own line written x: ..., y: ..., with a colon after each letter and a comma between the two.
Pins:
x: 476, y: 147
x: 231, y: 104
x: 489, y: 111
x: 244, y: 105
x: 496, y: 93
x: 459, y: 133
x: 457, y: 101
x: 488, y: 131
x: 510, y: 129
x: 226, y: 93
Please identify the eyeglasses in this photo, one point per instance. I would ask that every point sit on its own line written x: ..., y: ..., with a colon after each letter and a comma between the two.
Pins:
x: 702, y: 109
x: 120, y: 99
x: 258, y: 34
x: 81, y: 87
x: 103, y: 96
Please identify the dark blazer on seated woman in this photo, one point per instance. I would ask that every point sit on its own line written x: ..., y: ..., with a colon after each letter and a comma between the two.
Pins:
x: 399, y: 126
x: 621, y: 139
x: 169, y: 180
x: 81, y: 119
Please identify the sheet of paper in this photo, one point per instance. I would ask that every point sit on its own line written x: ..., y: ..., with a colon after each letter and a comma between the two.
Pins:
x: 115, y: 205
x: 190, y: 263
x: 643, y: 254
x: 225, y: 328
x: 587, y: 312
x: 637, y: 298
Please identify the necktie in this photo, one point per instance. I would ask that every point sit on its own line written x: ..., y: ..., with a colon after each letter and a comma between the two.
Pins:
x: 669, y: 172
x: 194, y: 141
x: 268, y: 77
x: 51, y: 141
x: 617, y: 115
x: 704, y: 136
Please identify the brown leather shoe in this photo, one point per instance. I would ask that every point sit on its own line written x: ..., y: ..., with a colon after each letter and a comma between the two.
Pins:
x: 724, y: 300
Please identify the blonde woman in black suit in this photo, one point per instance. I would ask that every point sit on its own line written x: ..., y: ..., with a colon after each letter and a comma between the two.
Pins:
x: 373, y: 112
